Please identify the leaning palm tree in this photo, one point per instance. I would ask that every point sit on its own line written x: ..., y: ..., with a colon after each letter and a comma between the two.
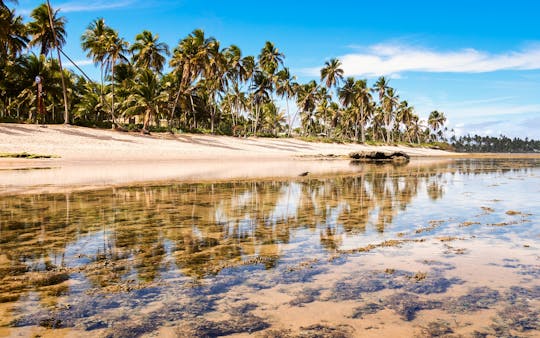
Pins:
x: 148, y: 52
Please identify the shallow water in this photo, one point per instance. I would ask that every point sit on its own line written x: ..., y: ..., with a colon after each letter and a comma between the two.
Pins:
x: 415, y: 250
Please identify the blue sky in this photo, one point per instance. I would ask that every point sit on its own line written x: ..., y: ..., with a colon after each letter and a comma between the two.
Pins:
x: 477, y: 61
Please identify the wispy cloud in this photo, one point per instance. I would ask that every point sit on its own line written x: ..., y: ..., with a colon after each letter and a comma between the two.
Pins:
x: 391, y: 59
x: 78, y: 6
x: 90, y: 6
x: 82, y: 63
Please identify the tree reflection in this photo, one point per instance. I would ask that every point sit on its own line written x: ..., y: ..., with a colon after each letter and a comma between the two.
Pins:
x: 142, y: 232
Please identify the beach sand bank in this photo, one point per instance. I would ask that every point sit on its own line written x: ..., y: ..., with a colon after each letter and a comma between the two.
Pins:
x: 95, y: 157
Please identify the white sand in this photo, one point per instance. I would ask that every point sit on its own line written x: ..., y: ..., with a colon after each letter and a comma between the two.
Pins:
x: 90, y: 157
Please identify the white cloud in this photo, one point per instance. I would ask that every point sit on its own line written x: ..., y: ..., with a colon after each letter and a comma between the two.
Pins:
x: 82, y: 63
x: 80, y: 6
x: 392, y: 59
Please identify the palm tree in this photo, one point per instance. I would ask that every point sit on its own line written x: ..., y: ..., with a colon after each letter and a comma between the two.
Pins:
x: 414, y: 130
x: 404, y: 117
x: 93, y: 42
x: 270, y: 58
x: 332, y: 73
x: 435, y: 121
x: 306, y: 101
x: 115, y: 48
x: 48, y: 32
x: 147, y: 95
x: 40, y: 29
x: 381, y: 86
x: 189, y: 62
x: 13, y: 37
x: 262, y: 87
x: 390, y: 102
x: 355, y: 96
x: 148, y: 52
x: 285, y: 88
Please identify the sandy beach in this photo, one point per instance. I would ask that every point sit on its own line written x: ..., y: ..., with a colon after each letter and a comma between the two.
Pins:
x: 94, y: 157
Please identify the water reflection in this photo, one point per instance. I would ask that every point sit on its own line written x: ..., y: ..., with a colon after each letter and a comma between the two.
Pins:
x: 130, y: 238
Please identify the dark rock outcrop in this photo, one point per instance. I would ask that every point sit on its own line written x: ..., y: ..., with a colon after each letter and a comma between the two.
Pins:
x: 396, y: 156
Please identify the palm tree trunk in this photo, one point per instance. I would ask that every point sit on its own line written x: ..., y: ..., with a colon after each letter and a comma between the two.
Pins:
x: 64, y: 92
x: 112, y: 101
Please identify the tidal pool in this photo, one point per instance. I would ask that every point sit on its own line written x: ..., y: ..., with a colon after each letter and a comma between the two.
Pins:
x: 443, y: 248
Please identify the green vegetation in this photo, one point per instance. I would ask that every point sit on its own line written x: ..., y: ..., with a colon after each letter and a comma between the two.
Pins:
x: 25, y: 155
x: 490, y: 144
x: 206, y: 87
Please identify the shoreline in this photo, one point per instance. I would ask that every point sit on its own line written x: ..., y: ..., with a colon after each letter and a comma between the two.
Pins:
x: 96, y: 158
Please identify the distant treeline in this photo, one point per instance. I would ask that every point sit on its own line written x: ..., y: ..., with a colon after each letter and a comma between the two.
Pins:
x: 490, y: 144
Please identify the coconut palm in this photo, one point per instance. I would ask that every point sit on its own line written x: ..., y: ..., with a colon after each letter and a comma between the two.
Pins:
x: 115, y: 49
x: 40, y: 29
x: 389, y: 103
x: 404, y: 117
x: 270, y: 58
x: 189, y: 62
x: 306, y: 101
x: 93, y: 42
x: 332, y: 73
x: 285, y: 88
x: 48, y: 31
x: 435, y: 121
x: 13, y: 37
x: 146, y: 97
x: 148, y: 52
x: 261, y: 93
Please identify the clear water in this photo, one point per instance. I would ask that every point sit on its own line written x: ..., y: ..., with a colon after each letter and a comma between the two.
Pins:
x: 416, y: 250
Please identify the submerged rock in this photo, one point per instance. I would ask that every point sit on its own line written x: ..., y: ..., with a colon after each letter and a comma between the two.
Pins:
x: 396, y: 156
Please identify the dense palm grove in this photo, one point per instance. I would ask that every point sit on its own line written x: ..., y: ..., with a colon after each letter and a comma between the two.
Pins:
x: 197, y: 86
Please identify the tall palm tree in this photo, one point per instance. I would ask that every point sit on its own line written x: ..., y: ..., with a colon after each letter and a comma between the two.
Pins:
x: 404, y: 117
x: 48, y: 32
x: 306, y: 101
x: 40, y: 29
x: 93, y: 42
x: 390, y: 102
x: 261, y: 93
x: 355, y: 96
x: 148, y: 52
x: 285, y: 88
x: 115, y: 48
x: 332, y: 73
x: 270, y: 58
x: 189, y: 62
x: 435, y: 121
x: 380, y: 87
